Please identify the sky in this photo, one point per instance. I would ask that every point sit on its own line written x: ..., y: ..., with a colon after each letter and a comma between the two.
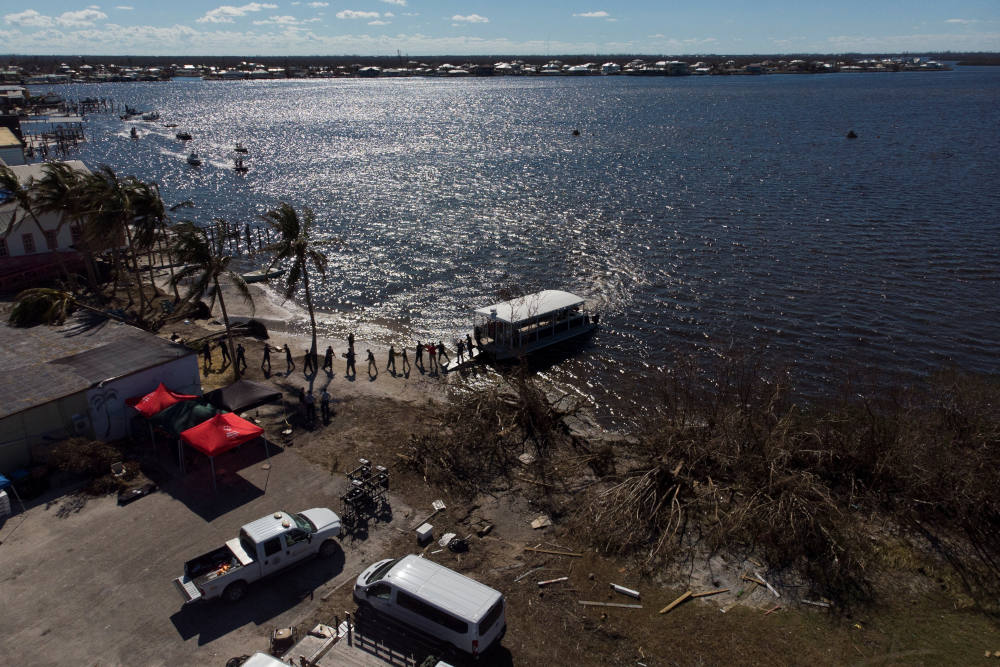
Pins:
x: 512, y: 27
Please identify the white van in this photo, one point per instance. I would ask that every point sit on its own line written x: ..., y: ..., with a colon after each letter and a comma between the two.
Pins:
x: 437, y: 601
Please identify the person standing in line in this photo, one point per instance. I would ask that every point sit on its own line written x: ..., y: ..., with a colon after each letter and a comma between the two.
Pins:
x: 442, y: 353
x: 468, y: 344
x: 328, y: 360
x: 432, y: 357
x: 460, y: 346
x: 406, y: 364
x: 241, y: 358
x: 307, y: 363
x: 266, y: 360
x: 206, y: 355
x: 289, y: 362
x: 350, y: 341
x: 418, y: 357
x: 371, y: 364
x: 391, y: 363
x: 324, y: 406
x: 311, y: 408
x: 351, y: 372
x: 226, y: 359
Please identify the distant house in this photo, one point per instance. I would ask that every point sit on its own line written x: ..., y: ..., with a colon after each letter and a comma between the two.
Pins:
x: 28, y: 247
x: 73, y: 380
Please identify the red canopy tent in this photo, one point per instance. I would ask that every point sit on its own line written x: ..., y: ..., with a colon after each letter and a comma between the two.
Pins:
x: 159, y: 399
x: 220, y: 434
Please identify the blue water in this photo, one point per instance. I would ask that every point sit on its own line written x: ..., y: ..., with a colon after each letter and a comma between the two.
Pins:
x: 701, y: 215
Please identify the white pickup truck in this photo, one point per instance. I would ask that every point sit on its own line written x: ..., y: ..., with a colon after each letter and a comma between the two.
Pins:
x: 263, y: 547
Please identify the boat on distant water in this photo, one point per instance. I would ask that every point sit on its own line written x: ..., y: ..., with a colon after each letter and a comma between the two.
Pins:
x: 262, y: 275
x: 194, y: 160
x: 135, y: 133
x: 240, y: 148
x: 239, y: 167
x: 151, y: 115
x: 184, y: 136
x: 518, y: 327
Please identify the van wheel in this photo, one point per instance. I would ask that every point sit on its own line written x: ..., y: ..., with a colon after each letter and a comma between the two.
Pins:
x: 235, y: 591
x: 328, y: 548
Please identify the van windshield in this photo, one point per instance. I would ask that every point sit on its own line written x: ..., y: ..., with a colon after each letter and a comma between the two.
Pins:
x: 381, y: 571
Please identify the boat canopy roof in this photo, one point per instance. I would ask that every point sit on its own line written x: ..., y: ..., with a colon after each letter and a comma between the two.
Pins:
x: 530, y: 306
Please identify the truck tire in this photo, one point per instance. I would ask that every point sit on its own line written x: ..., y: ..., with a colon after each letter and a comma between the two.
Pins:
x: 235, y: 591
x: 328, y: 548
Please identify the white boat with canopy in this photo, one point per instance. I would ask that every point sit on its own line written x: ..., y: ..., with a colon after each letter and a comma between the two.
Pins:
x: 516, y: 328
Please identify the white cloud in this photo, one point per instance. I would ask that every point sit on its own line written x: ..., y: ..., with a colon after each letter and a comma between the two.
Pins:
x: 93, y: 6
x: 125, y: 8
x: 401, y: 3
x: 378, y: 22
x: 284, y: 20
x: 388, y: 15
x: 471, y: 18
x: 353, y: 14
x: 962, y: 21
x: 593, y: 15
x: 81, y: 19
x: 30, y: 18
x: 317, y: 5
x: 226, y: 13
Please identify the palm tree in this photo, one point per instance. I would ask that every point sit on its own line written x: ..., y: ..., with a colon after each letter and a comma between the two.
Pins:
x: 59, y: 191
x: 22, y: 194
x: 205, y: 262
x: 296, y: 244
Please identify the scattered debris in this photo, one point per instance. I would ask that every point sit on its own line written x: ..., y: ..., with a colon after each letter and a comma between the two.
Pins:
x: 541, y: 522
x: 446, y: 539
x: 552, y: 581
x: 769, y: 586
x: 676, y: 602
x: 825, y: 605
x: 625, y: 591
x: 424, y: 533
x: 525, y: 574
x: 772, y: 609
x: 526, y: 458
x: 553, y: 552
x: 485, y: 530
x: 591, y: 603
x: 707, y: 593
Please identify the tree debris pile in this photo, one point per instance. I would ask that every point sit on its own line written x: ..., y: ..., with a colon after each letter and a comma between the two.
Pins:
x: 735, y: 465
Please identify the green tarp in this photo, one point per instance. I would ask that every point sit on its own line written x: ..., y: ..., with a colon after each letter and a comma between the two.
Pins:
x: 182, y: 416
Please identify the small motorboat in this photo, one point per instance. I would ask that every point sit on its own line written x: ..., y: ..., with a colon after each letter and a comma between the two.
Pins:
x: 151, y: 115
x: 240, y: 148
x: 170, y: 125
x: 239, y: 167
x: 262, y: 275
x: 184, y: 136
x: 135, y: 133
x: 194, y: 160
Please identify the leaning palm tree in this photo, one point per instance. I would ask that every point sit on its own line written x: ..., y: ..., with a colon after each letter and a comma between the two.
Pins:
x: 296, y: 245
x: 205, y: 262
x: 23, y: 195
x: 59, y: 190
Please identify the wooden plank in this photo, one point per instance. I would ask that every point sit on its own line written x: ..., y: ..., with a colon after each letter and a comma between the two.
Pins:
x: 707, y: 593
x: 555, y: 553
x: 772, y: 610
x: 675, y: 602
x: 552, y: 581
x: 590, y: 603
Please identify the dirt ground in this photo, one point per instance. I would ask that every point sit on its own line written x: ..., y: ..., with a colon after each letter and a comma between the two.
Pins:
x: 915, y: 624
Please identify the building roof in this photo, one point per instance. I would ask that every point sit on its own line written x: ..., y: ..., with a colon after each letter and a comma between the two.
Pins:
x: 25, y: 172
x: 7, y: 139
x: 530, y: 306
x: 443, y: 587
x: 45, y: 363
